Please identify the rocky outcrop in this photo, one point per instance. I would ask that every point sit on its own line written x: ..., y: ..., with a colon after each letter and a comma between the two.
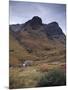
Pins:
x: 36, y: 28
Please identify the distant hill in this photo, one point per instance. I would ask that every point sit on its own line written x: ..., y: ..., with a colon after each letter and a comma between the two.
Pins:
x: 37, y: 42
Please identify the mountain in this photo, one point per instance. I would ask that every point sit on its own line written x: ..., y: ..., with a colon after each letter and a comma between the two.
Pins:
x: 37, y: 42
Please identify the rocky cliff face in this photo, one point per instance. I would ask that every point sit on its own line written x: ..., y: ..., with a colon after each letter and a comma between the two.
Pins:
x: 52, y: 30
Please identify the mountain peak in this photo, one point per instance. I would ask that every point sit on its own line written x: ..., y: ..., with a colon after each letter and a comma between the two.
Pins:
x: 36, y: 20
x: 54, y: 29
x: 53, y: 24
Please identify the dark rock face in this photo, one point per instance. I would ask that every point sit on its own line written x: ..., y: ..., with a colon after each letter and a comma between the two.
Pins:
x: 53, y: 30
x: 35, y: 26
x: 36, y: 20
x: 53, y: 24
x: 15, y: 27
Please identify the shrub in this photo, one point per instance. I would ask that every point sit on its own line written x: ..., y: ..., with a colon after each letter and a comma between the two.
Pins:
x: 53, y: 78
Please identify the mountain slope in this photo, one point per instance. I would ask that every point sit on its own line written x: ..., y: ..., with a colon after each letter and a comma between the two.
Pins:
x: 37, y: 42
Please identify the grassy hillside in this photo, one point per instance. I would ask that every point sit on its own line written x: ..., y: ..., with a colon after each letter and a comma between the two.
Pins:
x: 39, y: 50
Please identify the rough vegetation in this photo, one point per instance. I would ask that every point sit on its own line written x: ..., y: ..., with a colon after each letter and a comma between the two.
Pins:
x: 54, y: 77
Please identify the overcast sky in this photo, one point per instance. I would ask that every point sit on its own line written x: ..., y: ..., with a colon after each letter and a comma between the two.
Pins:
x: 21, y: 12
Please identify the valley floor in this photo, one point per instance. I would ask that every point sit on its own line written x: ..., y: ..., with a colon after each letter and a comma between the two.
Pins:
x: 41, y: 75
